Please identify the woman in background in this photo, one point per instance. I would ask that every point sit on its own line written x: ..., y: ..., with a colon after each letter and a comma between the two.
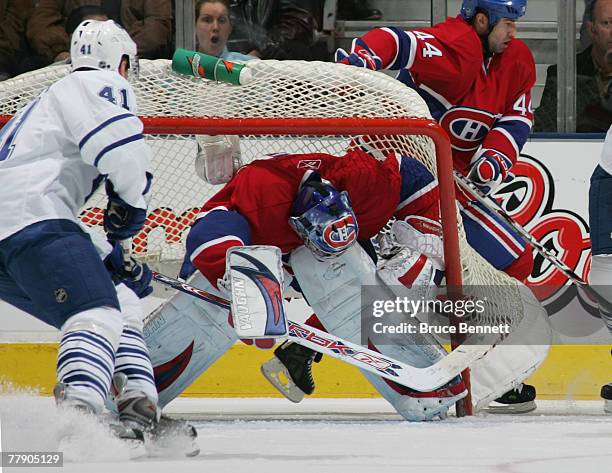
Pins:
x: 213, y: 28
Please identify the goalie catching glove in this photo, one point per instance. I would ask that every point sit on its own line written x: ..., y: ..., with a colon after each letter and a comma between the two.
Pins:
x: 417, y: 258
x: 218, y: 158
x: 489, y: 169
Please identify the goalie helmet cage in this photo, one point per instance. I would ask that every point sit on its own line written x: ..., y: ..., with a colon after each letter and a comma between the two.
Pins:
x: 286, y: 107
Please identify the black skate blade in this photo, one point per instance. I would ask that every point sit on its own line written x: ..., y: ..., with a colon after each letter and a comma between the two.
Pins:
x: 518, y: 408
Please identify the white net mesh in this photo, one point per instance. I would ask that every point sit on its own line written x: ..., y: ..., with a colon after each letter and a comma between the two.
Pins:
x: 290, y: 90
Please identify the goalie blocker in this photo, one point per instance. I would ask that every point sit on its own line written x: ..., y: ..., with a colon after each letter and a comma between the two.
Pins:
x: 256, y: 287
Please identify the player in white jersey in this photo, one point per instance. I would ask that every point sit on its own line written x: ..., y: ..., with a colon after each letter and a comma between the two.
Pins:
x: 78, y: 133
x: 600, y: 222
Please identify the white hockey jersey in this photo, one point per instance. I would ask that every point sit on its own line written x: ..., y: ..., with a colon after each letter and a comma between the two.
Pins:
x: 56, y: 149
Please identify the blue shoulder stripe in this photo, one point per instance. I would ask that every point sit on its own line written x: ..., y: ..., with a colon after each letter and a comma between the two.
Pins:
x: 117, y: 144
x: 403, y: 48
x: 102, y: 126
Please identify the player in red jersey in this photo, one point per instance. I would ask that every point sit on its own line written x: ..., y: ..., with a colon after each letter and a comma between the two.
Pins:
x: 476, y: 79
x: 285, y: 201
x: 255, y: 206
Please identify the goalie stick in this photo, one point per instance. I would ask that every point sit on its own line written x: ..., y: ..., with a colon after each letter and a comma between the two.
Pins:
x: 420, y: 379
x: 492, y: 205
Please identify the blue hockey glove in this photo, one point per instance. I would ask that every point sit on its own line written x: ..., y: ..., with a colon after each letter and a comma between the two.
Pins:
x: 121, y: 220
x: 137, y: 276
x: 489, y: 170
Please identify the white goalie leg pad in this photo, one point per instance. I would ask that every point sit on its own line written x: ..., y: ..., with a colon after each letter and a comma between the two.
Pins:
x: 516, y: 357
x: 185, y: 336
x: 333, y: 290
x: 256, y: 289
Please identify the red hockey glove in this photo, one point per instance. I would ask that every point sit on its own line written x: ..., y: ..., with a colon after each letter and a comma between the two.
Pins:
x: 489, y: 170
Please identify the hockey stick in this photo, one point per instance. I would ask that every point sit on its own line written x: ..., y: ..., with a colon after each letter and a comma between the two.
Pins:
x: 492, y: 205
x: 420, y: 379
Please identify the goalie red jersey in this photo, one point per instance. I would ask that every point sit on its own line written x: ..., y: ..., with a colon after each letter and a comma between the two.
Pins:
x: 254, y: 207
x: 481, y: 103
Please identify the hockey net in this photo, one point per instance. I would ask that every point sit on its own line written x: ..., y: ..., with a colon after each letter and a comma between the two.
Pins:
x: 288, y: 107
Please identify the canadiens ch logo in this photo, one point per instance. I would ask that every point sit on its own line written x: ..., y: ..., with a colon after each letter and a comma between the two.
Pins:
x: 340, y: 233
x: 467, y: 127
x: 61, y: 295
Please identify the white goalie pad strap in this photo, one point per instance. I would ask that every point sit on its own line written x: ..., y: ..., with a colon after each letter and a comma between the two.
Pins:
x: 256, y: 285
x: 411, y: 237
x: 217, y: 158
x: 515, y: 358
x: 185, y: 336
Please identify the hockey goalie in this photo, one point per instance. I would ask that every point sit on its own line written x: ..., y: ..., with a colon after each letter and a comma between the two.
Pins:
x: 321, y: 211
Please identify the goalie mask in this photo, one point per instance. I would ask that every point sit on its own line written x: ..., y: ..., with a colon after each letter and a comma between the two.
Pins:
x: 323, y: 217
x: 102, y: 45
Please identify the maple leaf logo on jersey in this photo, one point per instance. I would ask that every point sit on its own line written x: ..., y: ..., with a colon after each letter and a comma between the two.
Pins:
x: 340, y: 233
x: 309, y: 164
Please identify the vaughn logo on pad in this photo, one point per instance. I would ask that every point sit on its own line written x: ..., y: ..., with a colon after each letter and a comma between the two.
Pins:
x: 256, y: 291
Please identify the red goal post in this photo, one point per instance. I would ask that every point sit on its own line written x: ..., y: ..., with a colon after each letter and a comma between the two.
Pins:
x: 340, y: 126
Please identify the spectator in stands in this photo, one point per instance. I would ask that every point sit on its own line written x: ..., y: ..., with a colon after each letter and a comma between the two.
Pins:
x: 593, y: 81
x: 148, y: 23
x: 13, y: 17
x: 213, y: 28
x: 273, y: 29
x: 585, y: 37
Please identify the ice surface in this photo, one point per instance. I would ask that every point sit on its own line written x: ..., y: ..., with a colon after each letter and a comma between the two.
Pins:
x: 327, y: 435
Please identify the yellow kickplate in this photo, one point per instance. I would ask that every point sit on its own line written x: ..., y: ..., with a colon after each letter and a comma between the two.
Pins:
x: 570, y: 372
